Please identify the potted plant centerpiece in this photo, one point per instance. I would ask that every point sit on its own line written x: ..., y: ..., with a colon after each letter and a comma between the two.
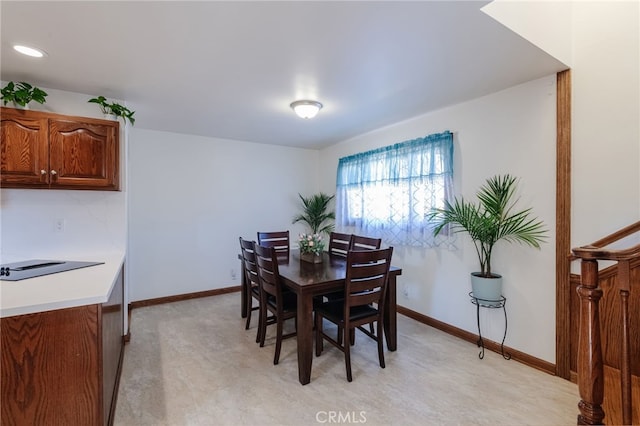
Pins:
x: 315, y: 215
x: 492, y: 219
x: 311, y: 247
x: 114, y: 110
x: 22, y: 93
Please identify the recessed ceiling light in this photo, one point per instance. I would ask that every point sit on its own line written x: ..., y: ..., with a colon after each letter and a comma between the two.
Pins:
x: 29, y: 51
x: 306, y: 109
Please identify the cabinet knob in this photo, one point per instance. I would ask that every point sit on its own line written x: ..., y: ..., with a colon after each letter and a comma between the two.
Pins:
x: 43, y: 172
x: 53, y: 173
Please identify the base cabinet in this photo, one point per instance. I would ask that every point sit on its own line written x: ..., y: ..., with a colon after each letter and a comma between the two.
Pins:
x: 62, y: 366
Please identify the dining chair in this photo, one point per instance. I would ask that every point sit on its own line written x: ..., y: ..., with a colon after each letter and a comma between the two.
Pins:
x: 339, y: 243
x: 251, y: 277
x: 282, y: 304
x: 360, y: 242
x: 365, y: 286
x: 356, y: 242
x: 279, y: 240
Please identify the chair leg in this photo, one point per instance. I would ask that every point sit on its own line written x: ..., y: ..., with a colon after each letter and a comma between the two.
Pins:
x: 276, y: 357
x: 352, y: 337
x: 347, y: 352
x: 249, y: 310
x: 259, y: 324
x: 380, y: 344
x: 263, y: 323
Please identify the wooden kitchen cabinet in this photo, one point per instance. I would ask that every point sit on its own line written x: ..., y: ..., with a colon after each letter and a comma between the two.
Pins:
x: 62, y: 367
x: 45, y: 150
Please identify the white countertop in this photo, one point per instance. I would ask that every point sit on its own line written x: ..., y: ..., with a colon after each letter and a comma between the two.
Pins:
x: 79, y: 287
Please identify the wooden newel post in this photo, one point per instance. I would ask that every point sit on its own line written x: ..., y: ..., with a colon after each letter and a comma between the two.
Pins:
x: 590, y: 366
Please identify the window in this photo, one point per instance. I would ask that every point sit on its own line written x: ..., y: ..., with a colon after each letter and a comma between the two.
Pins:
x: 389, y: 192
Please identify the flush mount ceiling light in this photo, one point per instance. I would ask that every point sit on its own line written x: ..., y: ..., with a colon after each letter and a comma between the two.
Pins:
x: 306, y: 109
x: 29, y: 51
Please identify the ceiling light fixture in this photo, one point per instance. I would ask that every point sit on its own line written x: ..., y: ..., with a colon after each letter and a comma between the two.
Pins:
x: 29, y: 51
x: 306, y: 109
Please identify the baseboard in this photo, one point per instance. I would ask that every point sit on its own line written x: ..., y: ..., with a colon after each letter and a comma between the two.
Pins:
x: 179, y: 297
x: 516, y: 355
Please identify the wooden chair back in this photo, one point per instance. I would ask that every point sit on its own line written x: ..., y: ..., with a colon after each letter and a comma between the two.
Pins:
x: 249, y: 262
x: 367, y: 272
x: 268, y: 273
x: 279, y: 240
x: 360, y: 242
x: 339, y: 244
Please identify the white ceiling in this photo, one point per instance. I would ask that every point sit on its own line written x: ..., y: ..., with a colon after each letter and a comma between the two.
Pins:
x: 231, y: 69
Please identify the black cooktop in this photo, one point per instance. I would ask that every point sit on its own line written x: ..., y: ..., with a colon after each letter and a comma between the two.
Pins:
x: 37, y: 267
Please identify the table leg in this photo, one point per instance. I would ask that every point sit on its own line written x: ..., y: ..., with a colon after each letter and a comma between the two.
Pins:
x: 305, y: 337
x: 391, y: 314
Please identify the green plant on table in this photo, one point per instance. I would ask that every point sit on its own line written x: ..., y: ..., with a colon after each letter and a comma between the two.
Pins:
x: 311, y: 243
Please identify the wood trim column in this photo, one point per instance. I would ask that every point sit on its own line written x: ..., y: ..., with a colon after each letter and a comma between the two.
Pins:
x: 590, y: 364
x: 563, y: 224
x: 624, y: 286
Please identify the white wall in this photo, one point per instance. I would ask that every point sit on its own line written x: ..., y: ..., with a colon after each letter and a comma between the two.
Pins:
x: 547, y: 24
x: 512, y: 131
x: 94, y: 220
x: 601, y: 42
x: 606, y: 118
x: 605, y: 59
x: 191, y: 197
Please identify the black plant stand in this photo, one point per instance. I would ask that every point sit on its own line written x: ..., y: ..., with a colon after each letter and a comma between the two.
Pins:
x: 492, y: 304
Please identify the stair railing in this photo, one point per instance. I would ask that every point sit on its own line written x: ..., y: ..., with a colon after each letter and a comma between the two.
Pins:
x: 590, y: 362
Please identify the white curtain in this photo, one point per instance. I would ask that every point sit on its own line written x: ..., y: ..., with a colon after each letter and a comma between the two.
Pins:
x: 389, y: 192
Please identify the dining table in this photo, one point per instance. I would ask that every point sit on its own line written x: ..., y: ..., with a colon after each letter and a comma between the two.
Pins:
x: 309, y: 280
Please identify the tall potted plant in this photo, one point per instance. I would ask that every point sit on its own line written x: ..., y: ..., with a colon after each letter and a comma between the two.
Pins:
x: 493, y: 218
x: 315, y: 215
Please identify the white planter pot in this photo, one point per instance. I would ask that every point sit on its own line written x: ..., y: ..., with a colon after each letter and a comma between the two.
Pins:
x: 487, y: 290
x: 111, y: 117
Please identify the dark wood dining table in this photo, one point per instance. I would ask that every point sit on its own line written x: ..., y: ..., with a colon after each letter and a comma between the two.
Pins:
x: 308, y: 280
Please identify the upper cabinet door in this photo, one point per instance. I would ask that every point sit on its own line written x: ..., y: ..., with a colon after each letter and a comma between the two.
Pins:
x: 24, y: 151
x: 83, y: 153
